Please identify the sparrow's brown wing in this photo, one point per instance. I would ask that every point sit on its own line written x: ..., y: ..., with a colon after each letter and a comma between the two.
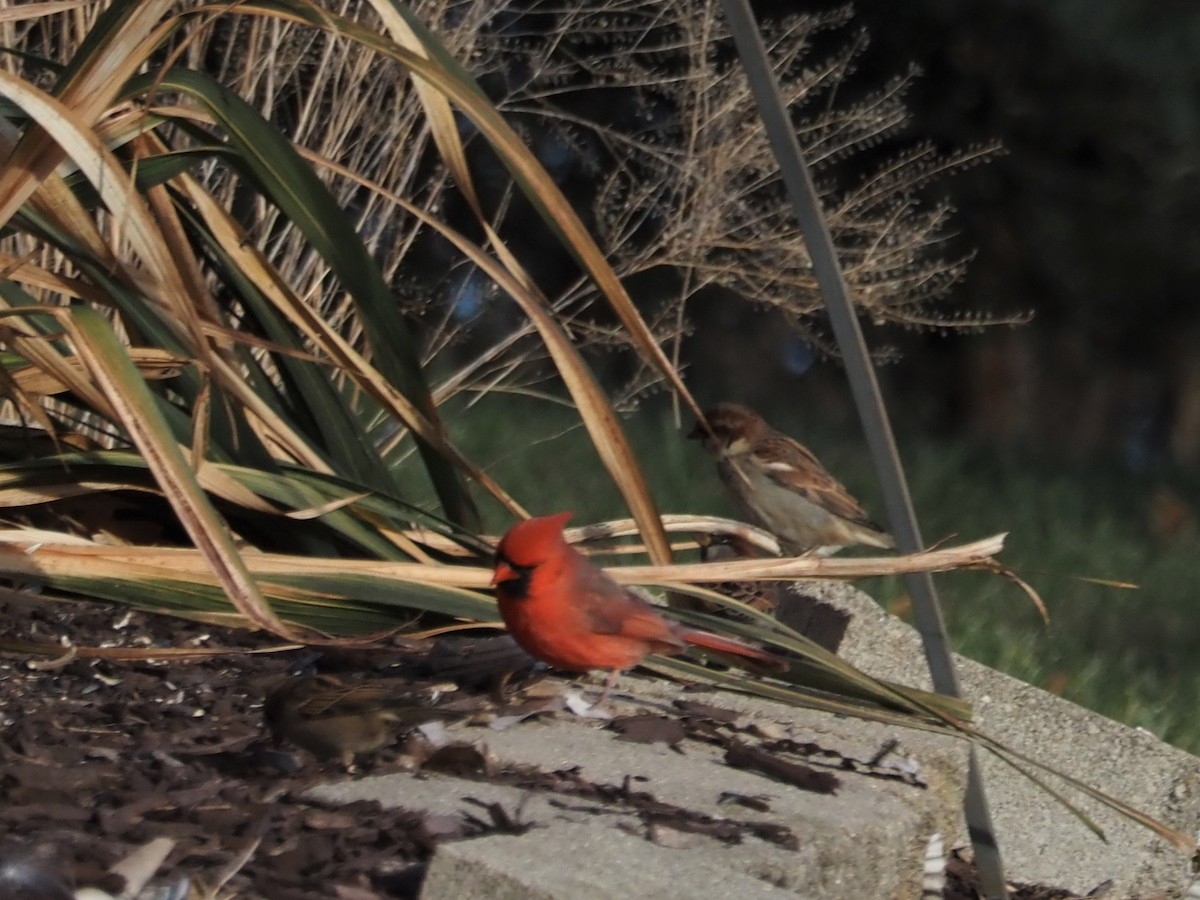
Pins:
x: 760, y: 595
x: 334, y: 698
x: 790, y: 464
x: 329, y: 698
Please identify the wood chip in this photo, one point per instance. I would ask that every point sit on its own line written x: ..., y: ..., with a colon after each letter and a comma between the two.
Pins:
x: 745, y: 756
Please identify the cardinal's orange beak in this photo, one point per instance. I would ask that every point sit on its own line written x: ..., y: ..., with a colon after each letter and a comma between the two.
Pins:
x: 503, y: 572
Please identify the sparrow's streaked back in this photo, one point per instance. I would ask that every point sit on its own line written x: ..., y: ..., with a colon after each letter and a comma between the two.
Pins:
x: 332, y: 718
x: 780, y: 485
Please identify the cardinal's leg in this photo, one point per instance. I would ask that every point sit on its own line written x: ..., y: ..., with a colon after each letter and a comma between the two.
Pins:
x: 595, y: 710
x: 609, y: 682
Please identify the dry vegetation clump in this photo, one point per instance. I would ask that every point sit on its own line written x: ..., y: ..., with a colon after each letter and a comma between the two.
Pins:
x: 640, y: 111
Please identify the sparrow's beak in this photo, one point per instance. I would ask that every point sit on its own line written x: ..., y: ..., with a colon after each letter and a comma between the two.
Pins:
x: 698, y: 433
x: 503, y: 572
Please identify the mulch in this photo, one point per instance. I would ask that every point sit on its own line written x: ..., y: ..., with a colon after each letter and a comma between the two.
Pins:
x: 98, y: 758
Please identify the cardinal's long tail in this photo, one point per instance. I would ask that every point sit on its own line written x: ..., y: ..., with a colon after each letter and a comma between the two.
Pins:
x: 723, y: 644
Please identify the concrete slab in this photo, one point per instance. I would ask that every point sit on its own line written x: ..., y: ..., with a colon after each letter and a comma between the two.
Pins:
x: 584, y: 863
x: 1039, y: 840
x: 866, y: 841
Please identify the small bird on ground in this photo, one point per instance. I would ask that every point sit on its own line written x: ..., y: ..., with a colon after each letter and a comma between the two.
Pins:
x: 568, y: 612
x: 331, y: 718
x: 780, y: 485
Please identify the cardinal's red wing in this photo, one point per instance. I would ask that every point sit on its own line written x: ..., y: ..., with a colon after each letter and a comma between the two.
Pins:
x: 610, y: 609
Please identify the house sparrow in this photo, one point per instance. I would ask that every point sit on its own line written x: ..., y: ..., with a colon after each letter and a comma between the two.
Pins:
x: 781, y: 486
x: 331, y: 718
x: 760, y: 595
x: 821, y: 622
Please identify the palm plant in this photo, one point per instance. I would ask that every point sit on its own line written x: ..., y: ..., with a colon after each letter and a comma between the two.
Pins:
x: 202, y: 312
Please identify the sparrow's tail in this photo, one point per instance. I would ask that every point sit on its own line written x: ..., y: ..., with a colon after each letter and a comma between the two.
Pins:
x: 734, y: 647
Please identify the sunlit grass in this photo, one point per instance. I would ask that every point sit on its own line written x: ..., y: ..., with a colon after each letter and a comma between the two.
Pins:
x: 1126, y: 653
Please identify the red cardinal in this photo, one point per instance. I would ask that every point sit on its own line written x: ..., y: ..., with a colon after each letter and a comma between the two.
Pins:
x: 569, y: 613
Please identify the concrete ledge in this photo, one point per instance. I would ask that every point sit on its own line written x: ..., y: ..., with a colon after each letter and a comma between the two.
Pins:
x: 1041, y: 842
x: 585, y: 863
x: 865, y: 841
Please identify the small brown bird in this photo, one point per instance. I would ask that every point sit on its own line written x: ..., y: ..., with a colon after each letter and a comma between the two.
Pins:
x: 760, y: 595
x: 330, y: 718
x: 780, y: 485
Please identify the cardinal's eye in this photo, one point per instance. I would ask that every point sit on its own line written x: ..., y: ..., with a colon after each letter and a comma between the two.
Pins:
x: 517, y: 584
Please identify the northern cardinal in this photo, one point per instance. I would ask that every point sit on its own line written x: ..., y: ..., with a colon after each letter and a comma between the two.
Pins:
x: 331, y: 718
x: 779, y: 484
x: 568, y: 612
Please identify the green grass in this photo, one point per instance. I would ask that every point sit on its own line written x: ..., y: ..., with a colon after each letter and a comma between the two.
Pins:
x: 1126, y: 653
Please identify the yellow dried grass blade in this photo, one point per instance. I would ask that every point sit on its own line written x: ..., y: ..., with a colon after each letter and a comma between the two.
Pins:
x: 454, y: 86
x: 151, y: 362
x: 28, y: 11
x: 86, y: 94
x: 324, y: 336
x: 136, y: 409
x: 594, y: 409
x: 73, y: 135
x: 975, y: 555
x: 596, y: 412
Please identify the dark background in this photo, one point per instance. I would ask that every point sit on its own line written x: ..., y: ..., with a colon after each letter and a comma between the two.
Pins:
x: 1090, y: 219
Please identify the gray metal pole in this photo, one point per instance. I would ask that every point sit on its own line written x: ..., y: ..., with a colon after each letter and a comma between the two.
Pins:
x: 867, y: 398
